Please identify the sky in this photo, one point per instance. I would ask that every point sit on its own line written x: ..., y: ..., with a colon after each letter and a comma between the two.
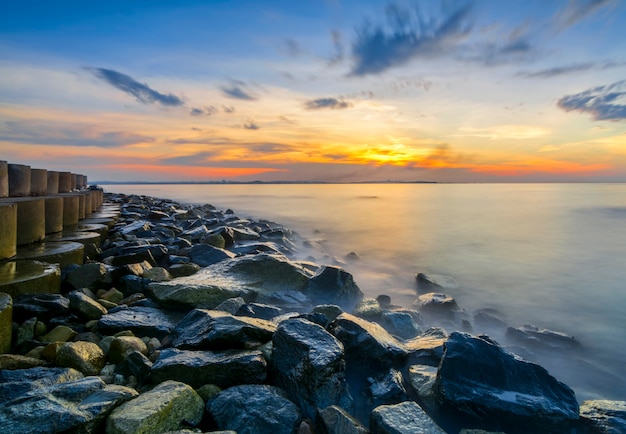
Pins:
x: 325, y: 90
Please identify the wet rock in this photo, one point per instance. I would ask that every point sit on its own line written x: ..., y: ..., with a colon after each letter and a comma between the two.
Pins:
x: 258, y: 310
x: 603, y: 417
x: 307, y: 362
x: 422, y: 379
x: 400, y: 323
x: 169, y: 406
x: 15, y: 383
x: 499, y: 391
x: 542, y: 339
x: 25, y: 332
x: 435, y: 282
x: 182, y: 270
x: 79, y: 406
x: 120, y: 347
x: 142, y: 321
x: 404, y: 418
x: 214, y: 330
x: 231, y: 305
x: 42, y: 306
x: 85, y: 357
x: 85, y: 306
x: 367, y: 345
x: 6, y: 322
x: 15, y: 361
x: 427, y: 348
x: 334, y: 285
x: 86, y: 275
x: 60, y: 333
x: 252, y: 409
x: 136, y: 364
x: 157, y: 274
x: 386, y: 388
x: 487, y: 320
x: 330, y: 311
x: 205, y: 255
x: 223, y: 368
x: 338, y: 421
x: 113, y: 295
x: 436, y: 305
x: 368, y: 309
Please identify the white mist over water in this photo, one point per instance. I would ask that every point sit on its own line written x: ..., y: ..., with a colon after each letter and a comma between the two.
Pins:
x: 552, y: 255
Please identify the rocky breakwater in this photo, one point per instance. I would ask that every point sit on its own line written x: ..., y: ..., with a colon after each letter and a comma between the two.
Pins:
x: 190, y: 319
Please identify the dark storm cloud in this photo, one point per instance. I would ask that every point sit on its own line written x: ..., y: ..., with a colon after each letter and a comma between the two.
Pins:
x: 142, y: 92
x: 602, y: 102
x: 326, y: 103
x: 237, y: 89
x: 409, y: 34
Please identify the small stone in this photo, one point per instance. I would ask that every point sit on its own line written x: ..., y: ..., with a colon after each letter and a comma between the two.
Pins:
x: 85, y: 357
x: 121, y: 346
x: 157, y: 274
x: 85, y: 306
x: 59, y: 334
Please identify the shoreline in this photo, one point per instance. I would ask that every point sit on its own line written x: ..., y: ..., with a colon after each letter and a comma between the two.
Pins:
x: 381, y: 352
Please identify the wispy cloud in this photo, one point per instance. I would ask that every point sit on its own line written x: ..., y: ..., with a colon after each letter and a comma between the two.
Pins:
x: 409, y: 34
x: 250, y: 125
x: 602, y: 102
x: 67, y: 134
x: 228, y: 109
x: 142, y: 92
x: 326, y: 103
x: 238, y: 90
x: 207, y: 111
x: 502, y: 48
x: 578, y: 10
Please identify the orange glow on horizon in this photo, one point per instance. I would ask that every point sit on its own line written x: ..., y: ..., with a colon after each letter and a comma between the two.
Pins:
x: 192, y: 173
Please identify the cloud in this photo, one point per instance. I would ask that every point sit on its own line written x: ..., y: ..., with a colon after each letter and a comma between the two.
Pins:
x: 409, y: 35
x: 228, y: 109
x: 196, y: 112
x: 338, y: 47
x: 249, y: 125
x: 65, y: 134
x: 578, y: 10
x: 326, y: 103
x: 237, y: 90
x: 142, y: 92
x: 207, y: 111
x: 602, y: 102
x: 569, y: 69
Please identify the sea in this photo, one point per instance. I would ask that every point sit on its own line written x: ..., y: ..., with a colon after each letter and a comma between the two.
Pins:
x: 549, y: 255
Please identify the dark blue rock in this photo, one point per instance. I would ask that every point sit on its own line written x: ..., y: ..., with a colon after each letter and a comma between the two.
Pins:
x: 205, y: 255
x: 334, y: 285
x: 42, y: 306
x: 142, y: 321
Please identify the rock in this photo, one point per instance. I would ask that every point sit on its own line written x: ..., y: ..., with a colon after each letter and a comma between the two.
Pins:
x: 386, y: 388
x: 78, y: 406
x: 60, y: 333
x: 436, y: 305
x: 401, y: 324
x: 231, y: 305
x: 604, y: 417
x: 261, y: 274
x: 404, y: 418
x: 208, y: 391
x: 259, y: 310
x: 182, y: 270
x: 15, y: 383
x: 216, y: 330
x: 223, y: 368
x: 169, y: 406
x: 542, y: 339
x: 113, y: 295
x: 25, y: 332
x: 430, y: 282
x: 205, y: 255
x: 122, y: 346
x: 15, y: 361
x: 85, y: 307
x: 136, y: 364
x: 334, y: 285
x: 330, y: 311
x: 252, y: 409
x: 368, y: 309
x: 86, y: 275
x: 338, y: 421
x: 142, y: 321
x: 6, y: 322
x: 422, y: 380
x: 496, y: 390
x: 427, y: 348
x: 42, y: 306
x: 307, y: 363
x: 367, y: 345
x: 157, y: 274
x: 85, y: 357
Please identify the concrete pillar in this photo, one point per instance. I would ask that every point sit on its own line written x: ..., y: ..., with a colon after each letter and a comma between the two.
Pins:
x: 8, y: 229
x: 71, y: 203
x: 54, y: 214
x: 31, y: 219
x: 38, y: 182
x: 53, y: 182
x: 6, y: 322
x: 65, y: 182
x: 19, y: 180
x: 81, y: 206
x: 4, y: 179
x: 79, y: 182
x: 88, y: 203
x: 73, y: 181
x: 85, y: 180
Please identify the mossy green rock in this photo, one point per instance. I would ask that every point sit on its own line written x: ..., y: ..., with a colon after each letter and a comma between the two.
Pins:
x: 6, y: 321
x: 164, y: 408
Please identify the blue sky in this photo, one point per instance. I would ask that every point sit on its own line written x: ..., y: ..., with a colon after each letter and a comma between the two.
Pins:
x: 469, y: 91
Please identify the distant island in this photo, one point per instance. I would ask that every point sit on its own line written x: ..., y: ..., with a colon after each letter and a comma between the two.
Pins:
x: 256, y: 182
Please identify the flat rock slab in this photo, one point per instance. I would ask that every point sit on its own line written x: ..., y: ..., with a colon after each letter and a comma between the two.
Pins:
x: 63, y: 253
x: 141, y: 320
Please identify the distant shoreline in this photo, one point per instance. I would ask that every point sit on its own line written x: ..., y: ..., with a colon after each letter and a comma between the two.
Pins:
x: 253, y: 182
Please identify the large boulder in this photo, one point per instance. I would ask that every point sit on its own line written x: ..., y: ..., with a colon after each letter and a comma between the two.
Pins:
x: 334, y: 285
x: 367, y: 345
x: 141, y: 320
x: 404, y: 418
x: 15, y: 383
x: 308, y: 363
x: 78, y: 406
x: 215, y: 330
x: 223, y: 368
x: 252, y: 409
x: 169, y: 406
x: 205, y: 255
x: 257, y: 276
x: 496, y: 390
x: 427, y: 348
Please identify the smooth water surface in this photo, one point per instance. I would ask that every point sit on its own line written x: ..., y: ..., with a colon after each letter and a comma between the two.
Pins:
x: 552, y: 255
